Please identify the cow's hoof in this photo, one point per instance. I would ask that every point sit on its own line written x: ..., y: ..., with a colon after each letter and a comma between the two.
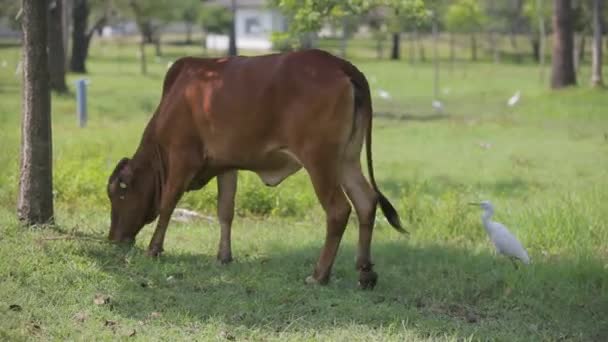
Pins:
x: 224, y: 259
x: 311, y: 280
x: 367, y: 280
x: 154, y: 252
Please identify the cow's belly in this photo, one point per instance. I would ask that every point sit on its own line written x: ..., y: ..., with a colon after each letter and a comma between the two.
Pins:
x: 276, y: 166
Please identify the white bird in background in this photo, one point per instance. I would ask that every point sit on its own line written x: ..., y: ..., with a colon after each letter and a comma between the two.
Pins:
x: 505, y: 242
x: 384, y: 94
x: 514, y: 99
x: 437, y: 105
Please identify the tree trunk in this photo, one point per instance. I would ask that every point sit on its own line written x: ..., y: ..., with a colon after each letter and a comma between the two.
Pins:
x: 189, y: 33
x: 142, y: 56
x: 534, y: 41
x: 412, y: 49
x: 344, y: 38
x: 379, y: 46
x: 542, y: 39
x: 56, y: 52
x: 473, y: 47
x: 80, y: 42
x: 157, y: 51
x: 67, y: 14
x: 232, y: 51
x: 578, y: 51
x: 452, y: 52
x: 596, y: 58
x: 562, y: 73
x: 494, y: 47
x: 35, y: 202
x: 435, y: 60
x: 421, y: 52
x: 396, y: 48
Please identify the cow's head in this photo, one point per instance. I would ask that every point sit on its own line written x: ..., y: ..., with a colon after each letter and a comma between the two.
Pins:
x: 133, y: 195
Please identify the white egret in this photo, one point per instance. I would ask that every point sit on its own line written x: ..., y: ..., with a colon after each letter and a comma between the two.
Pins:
x: 437, y: 105
x: 504, y: 241
x: 514, y: 99
x: 384, y: 94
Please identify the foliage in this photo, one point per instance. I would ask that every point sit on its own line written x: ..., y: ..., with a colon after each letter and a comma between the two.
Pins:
x: 533, y: 13
x: 464, y: 16
x: 9, y: 9
x: 215, y: 19
x: 188, y: 10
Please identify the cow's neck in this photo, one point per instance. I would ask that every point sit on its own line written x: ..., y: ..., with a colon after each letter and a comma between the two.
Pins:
x: 149, y: 158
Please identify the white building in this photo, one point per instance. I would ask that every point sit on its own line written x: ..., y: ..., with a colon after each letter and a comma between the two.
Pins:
x: 254, y: 23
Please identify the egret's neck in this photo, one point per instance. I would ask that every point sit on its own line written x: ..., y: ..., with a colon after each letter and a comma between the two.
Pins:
x: 487, y: 215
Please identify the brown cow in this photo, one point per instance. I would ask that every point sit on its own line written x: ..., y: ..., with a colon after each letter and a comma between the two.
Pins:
x: 270, y: 114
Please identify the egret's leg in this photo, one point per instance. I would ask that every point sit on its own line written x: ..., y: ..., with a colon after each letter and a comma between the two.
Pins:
x: 514, y: 263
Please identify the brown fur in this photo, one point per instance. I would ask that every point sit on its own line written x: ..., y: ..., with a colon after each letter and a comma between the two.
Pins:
x: 270, y: 114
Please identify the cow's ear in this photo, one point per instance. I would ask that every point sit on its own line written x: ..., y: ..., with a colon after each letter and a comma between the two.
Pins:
x: 120, y: 173
x: 125, y: 176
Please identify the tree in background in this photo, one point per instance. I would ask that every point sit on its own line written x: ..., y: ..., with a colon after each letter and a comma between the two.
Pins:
x: 308, y: 16
x: 562, y: 69
x: 596, y: 58
x: 150, y: 16
x: 405, y: 15
x: 232, y: 32
x: 35, y: 203
x: 465, y: 16
x: 537, y: 14
x: 56, y: 53
x: 82, y: 33
x: 215, y: 19
x: 189, y: 14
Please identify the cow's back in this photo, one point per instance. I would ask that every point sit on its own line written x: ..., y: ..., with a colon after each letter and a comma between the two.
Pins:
x: 241, y: 107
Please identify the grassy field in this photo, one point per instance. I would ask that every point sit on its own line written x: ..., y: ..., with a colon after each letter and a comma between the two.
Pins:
x: 544, y: 164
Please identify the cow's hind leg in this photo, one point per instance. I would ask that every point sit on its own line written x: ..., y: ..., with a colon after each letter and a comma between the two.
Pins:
x: 226, y: 190
x: 324, y: 175
x: 364, y: 200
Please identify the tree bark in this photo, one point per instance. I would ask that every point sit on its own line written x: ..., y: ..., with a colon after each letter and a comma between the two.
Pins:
x: 562, y: 73
x: 344, y: 38
x: 494, y: 46
x: 542, y: 39
x: 596, y: 58
x: 396, y: 47
x: 189, y: 33
x: 232, y: 51
x: 56, y: 52
x: 66, y: 22
x: 421, y: 52
x: 158, y: 52
x: 452, y: 51
x: 80, y: 43
x: 35, y: 202
x: 435, y: 59
x: 142, y: 56
x: 81, y: 37
x: 535, y: 42
x: 579, y: 51
x: 473, y: 47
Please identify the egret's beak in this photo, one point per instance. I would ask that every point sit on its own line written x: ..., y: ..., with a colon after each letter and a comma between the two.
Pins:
x: 474, y: 203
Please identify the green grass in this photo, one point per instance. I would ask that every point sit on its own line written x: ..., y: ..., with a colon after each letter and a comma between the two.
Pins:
x: 546, y: 170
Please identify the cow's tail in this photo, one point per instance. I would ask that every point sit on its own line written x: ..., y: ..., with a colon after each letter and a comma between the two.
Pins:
x: 363, y: 104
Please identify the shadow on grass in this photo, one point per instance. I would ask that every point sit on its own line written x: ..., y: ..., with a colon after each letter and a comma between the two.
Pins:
x: 432, y: 290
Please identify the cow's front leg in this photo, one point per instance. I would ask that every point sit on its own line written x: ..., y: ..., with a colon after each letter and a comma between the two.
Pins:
x: 172, y: 191
x: 226, y: 191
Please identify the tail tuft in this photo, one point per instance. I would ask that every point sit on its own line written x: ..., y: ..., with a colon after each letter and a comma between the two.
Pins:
x: 390, y: 213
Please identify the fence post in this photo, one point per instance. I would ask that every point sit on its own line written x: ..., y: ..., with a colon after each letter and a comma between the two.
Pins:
x: 81, y: 101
